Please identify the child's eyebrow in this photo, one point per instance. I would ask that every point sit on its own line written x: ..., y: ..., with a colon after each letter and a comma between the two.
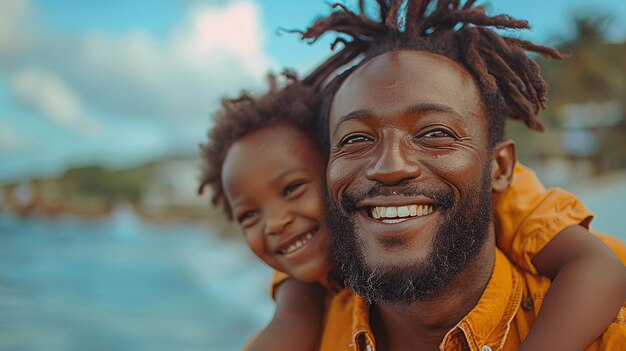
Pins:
x: 239, y: 201
x: 279, y: 177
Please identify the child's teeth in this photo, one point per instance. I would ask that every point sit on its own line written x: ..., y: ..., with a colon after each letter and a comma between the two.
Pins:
x: 298, y: 244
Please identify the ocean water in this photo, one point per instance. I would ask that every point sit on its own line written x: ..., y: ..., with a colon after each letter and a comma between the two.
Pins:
x: 608, y: 203
x: 121, y: 284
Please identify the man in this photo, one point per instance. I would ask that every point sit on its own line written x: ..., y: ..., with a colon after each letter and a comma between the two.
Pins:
x: 416, y: 153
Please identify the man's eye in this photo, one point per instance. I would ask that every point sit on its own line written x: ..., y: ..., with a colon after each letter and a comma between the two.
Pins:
x: 355, y: 139
x: 437, y: 133
x: 246, y: 216
x: 293, y: 187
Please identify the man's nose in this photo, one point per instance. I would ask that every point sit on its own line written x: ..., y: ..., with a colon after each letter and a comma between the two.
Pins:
x: 277, y: 222
x: 393, y: 164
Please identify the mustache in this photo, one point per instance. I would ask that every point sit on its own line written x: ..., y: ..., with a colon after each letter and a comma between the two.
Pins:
x: 443, y: 197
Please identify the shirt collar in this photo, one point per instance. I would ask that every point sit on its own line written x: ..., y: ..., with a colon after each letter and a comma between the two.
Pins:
x: 362, y: 334
x: 486, y: 324
x: 489, y: 321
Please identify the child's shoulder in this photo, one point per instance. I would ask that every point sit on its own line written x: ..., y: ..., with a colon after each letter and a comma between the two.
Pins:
x: 331, y: 283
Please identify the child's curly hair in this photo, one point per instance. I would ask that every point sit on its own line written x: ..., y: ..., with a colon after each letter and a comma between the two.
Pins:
x: 292, y: 103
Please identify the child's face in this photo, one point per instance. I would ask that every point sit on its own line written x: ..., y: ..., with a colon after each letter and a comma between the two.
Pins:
x: 273, y: 182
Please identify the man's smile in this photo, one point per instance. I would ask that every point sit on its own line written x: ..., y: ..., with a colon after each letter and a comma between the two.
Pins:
x: 396, y: 209
x: 398, y: 216
x: 393, y: 214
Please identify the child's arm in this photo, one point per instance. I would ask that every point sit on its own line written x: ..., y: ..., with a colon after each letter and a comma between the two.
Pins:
x: 297, y: 322
x: 588, y: 289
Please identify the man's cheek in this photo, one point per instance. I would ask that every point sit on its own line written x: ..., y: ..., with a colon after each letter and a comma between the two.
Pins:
x: 337, y: 180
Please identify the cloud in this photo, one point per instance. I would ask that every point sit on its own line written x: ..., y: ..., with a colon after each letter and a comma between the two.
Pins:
x: 234, y: 30
x: 12, y: 140
x: 144, y: 94
x: 212, y: 52
x: 52, y: 98
x: 12, y: 15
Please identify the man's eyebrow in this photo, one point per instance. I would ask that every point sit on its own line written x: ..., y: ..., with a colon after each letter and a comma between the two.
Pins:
x: 358, y: 115
x: 413, y: 109
x: 430, y: 107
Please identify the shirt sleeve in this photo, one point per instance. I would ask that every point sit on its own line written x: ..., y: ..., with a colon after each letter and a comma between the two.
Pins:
x: 527, y: 216
x: 277, y: 279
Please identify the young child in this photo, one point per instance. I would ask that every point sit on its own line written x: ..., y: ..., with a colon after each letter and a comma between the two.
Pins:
x: 267, y: 170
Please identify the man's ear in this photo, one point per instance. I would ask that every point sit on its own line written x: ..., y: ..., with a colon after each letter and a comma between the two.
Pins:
x: 502, y: 166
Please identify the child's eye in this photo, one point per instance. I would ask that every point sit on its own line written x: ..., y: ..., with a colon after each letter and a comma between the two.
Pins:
x: 291, y: 188
x: 246, y: 217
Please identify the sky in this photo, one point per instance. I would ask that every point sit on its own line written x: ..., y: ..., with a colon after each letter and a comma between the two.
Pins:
x: 124, y: 82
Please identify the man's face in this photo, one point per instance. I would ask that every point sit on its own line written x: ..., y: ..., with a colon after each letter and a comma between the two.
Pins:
x: 408, y: 175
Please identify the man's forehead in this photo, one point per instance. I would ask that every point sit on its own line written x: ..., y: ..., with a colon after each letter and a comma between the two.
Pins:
x: 400, y: 75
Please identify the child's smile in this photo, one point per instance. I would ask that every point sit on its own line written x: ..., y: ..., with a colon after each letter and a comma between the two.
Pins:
x: 273, y: 181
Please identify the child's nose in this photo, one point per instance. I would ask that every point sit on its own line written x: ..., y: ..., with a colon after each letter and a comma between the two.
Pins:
x: 277, y: 223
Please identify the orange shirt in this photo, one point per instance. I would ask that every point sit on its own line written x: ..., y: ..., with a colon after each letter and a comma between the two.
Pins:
x: 500, y: 320
x: 527, y: 216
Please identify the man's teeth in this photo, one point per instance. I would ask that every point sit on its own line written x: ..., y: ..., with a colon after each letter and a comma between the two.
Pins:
x: 298, y: 244
x: 400, y: 212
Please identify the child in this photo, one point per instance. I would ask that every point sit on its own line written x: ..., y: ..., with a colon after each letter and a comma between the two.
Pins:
x: 267, y: 170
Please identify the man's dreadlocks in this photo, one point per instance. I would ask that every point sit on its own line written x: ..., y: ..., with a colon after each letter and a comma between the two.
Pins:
x: 509, y: 80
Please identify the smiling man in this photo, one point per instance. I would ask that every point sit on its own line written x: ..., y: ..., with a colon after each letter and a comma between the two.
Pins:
x: 412, y: 169
x: 417, y: 154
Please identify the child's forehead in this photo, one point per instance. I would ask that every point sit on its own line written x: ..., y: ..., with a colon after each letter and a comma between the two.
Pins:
x: 277, y: 136
x: 269, y: 150
x: 266, y: 159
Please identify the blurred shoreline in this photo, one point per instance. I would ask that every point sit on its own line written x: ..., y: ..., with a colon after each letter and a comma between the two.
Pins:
x: 159, y: 192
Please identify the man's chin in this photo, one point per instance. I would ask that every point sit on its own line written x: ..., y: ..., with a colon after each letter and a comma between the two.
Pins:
x: 409, y: 259
x: 398, y: 283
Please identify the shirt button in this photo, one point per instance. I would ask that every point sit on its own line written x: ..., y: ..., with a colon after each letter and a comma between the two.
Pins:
x: 485, y: 348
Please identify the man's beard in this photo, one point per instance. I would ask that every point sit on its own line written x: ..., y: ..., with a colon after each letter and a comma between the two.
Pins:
x: 459, y: 237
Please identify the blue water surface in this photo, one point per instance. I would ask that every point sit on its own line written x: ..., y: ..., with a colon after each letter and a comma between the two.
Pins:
x: 121, y: 284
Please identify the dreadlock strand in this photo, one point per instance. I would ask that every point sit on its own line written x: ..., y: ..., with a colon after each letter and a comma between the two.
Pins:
x: 534, y: 78
x: 442, y: 7
x: 382, y: 10
x: 344, y: 22
x: 474, y: 60
x: 415, y: 12
x: 507, y: 59
x: 502, y: 70
x: 528, y: 69
x: 393, y: 19
x: 537, y: 101
x: 319, y: 75
x: 468, y: 4
x: 544, y: 51
x: 517, y: 105
x: 362, y: 8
